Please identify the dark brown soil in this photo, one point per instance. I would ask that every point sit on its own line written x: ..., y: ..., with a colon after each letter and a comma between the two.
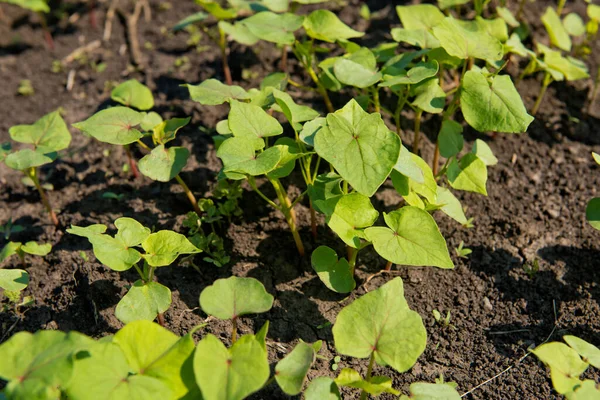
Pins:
x: 535, y: 210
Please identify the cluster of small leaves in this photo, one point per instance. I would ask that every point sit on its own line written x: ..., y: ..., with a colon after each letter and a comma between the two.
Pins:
x: 567, y: 362
x: 145, y: 298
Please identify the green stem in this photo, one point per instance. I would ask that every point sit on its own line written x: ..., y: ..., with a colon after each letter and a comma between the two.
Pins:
x: 538, y: 102
x: 322, y: 90
x: 139, y: 271
x: 252, y: 183
x: 363, y: 394
x: 223, y: 47
x: 47, y: 34
x: 417, y: 134
x: 561, y: 5
x: 376, y: 99
x: 388, y: 266
x: 399, y: 107
x: 288, y: 212
x: 132, y: 164
x: 32, y: 173
x: 189, y: 195
x: 352, y: 256
x: 151, y: 273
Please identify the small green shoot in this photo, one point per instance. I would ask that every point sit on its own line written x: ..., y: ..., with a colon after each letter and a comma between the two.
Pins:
x: 461, y: 251
x: 9, y: 228
x: 25, y: 88
x: 531, y: 268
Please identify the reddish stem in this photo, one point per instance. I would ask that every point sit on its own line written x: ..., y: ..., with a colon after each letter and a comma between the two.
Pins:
x: 132, y: 164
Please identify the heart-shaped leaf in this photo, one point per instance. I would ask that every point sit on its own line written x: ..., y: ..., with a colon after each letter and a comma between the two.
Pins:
x: 115, y: 125
x: 484, y: 153
x: 381, y: 322
x: 411, y: 238
x: 322, y: 388
x: 164, y: 164
x: 163, y: 247
x: 354, y: 74
x: 294, y: 113
x: 450, y: 205
x: 326, y: 26
x: 238, y: 32
x: 360, y: 147
x: 274, y: 28
x: 233, y: 297
x: 310, y: 129
x: 290, y: 373
x: 450, y: 138
x: 47, y: 134
x: 24, y: 159
x: 351, y: 214
x: 557, y: 32
x: 415, y: 37
x: 212, y: 92
x: 130, y: 232
x: 143, y: 301
x: 165, y: 131
x: 416, y: 74
x: 134, y: 94
x: 154, y: 352
x: 37, y: 249
x: 336, y: 274
x: 13, y: 280
x: 429, y: 96
x: 419, y: 16
x: 493, y: 104
x: 592, y: 212
x: 230, y: 374
x: 238, y: 155
x: 248, y: 120
x: 375, y: 386
x: 431, y: 391
x: 589, y: 352
x: 470, y: 174
x: 564, y: 363
x: 467, y: 39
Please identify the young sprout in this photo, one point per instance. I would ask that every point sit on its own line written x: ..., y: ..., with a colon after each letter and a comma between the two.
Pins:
x: 443, y: 321
x: 461, y: 251
x: 20, y: 249
x: 41, y: 8
x: 9, y: 228
x: 48, y: 135
x: 531, y: 268
x: 146, y: 298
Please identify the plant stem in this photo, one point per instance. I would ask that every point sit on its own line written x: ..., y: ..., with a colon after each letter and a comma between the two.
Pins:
x: 288, y: 212
x: 252, y: 183
x: 352, y: 256
x: 363, y: 394
x: 561, y: 5
x: 417, y: 133
x: 223, y: 47
x: 189, y: 195
x: 161, y: 319
x: 32, y: 173
x: 313, y: 220
x: 388, y: 266
x: 436, y: 158
x: 47, y: 34
x: 234, y: 330
x: 139, y: 271
x: 132, y: 164
x: 320, y: 88
x: 594, y: 91
x: 376, y: 99
x: 538, y: 102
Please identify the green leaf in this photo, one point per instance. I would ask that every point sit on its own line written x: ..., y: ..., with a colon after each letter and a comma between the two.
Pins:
x: 322, y: 388
x: 163, y: 247
x: 154, y: 352
x: 484, y: 153
x: 274, y: 28
x: 585, y: 390
x: 47, y: 134
x: 470, y: 174
x: 105, y: 373
x: 415, y: 37
x: 494, y: 27
x: 231, y: 374
x: 426, y: 188
x: 212, y: 92
x: 336, y: 274
x: 130, y: 232
x: 164, y: 164
x: 564, y: 363
x: 293, y: 112
x: 27, y: 158
x: 248, y: 120
x: 360, y: 147
x: 593, y: 11
x: 150, y: 120
x: 216, y: 10
x: 189, y: 20
x: 450, y: 138
x: 558, y: 35
x: 381, y: 322
x: 114, y: 125
x: 450, y: 205
x: 416, y: 74
x: 134, y: 94
x: 326, y: 26
x: 13, y: 279
x: 574, y: 25
x: 351, y: 214
x: 409, y: 166
x: 33, y: 5
x: 238, y: 32
x: 429, y: 96
x: 290, y: 373
x: 411, y: 238
x: 467, y: 39
x: 493, y: 104
x: 420, y: 16
x: 354, y: 74
x: 143, y: 301
x: 113, y: 253
x: 5, y: 149
x: 432, y: 391
x: 507, y: 16
x: 325, y: 187
x: 166, y: 131
x: 375, y: 386
x: 238, y: 155
x: 592, y: 213
x: 10, y: 249
x: 233, y: 297
x: 589, y: 352
x: 571, y: 68
x: 87, y: 231
x: 38, y: 366
x: 37, y: 249
x: 445, y: 4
